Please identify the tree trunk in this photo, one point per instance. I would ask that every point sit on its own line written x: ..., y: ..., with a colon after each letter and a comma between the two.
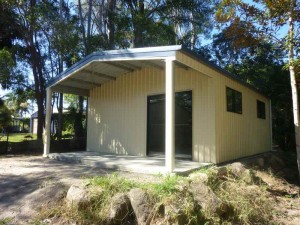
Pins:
x: 7, y: 138
x: 293, y: 81
x: 60, y: 95
x: 89, y: 27
x: 82, y: 25
x: 78, y: 126
x: 138, y: 17
x: 59, y: 127
x: 41, y: 117
x: 111, y: 23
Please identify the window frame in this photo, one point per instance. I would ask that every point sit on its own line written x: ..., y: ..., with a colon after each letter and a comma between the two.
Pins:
x: 235, y: 104
x: 260, y: 109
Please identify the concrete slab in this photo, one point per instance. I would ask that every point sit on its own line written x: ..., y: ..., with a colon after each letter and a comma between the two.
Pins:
x: 137, y: 164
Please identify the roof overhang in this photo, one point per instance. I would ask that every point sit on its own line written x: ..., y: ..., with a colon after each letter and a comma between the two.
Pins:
x: 100, y: 67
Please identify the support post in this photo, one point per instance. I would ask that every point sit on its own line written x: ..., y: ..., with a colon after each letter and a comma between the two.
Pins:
x: 47, y: 129
x: 170, y: 117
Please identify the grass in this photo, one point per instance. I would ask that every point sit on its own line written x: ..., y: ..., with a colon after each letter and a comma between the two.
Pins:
x: 250, y: 204
x: 18, y: 137
x: 6, y: 221
x: 166, y: 188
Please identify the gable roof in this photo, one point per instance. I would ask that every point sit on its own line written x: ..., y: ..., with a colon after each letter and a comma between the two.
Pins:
x: 118, y: 62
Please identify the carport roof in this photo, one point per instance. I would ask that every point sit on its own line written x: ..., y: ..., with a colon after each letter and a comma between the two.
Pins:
x: 100, y: 67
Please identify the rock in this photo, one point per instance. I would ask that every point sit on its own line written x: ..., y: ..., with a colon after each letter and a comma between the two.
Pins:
x: 157, y: 215
x: 206, y: 198
x: 237, y: 169
x: 260, y: 162
x: 249, y: 176
x: 141, y: 205
x: 120, y: 209
x: 46, y: 221
x: 175, y: 210
x: 276, y: 163
x: 78, y: 196
x: 175, y: 215
x: 199, y: 176
x: 222, y: 171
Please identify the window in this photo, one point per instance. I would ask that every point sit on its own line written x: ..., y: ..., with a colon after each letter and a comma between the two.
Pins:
x: 234, y: 100
x: 261, y: 109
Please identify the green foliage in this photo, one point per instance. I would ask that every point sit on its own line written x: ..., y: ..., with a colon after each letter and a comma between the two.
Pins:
x: 7, y: 65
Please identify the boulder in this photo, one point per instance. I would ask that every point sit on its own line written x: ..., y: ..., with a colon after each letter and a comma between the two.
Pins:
x: 222, y: 171
x: 237, y: 169
x: 276, y: 163
x: 260, y: 162
x: 120, y: 209
x: 250, y: 177
x: 175, y: 215
x: 141, y: 205
x: 247, y: 176
x: 206, y: 198
x: 78, y: 196
x: 199, y: 176
x: 157, y: 215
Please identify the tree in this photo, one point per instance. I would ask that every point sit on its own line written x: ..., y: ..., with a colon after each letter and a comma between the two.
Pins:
x: 76, y: 109
x: 5, y: 116
x: 268, y: 18
x: 5, y: 119
x: 168, y: 22
x: 18, y: 101
x: 34, y: 23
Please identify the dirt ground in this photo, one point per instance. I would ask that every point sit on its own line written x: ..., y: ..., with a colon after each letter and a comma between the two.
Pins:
x: 29, y: 183
x: 26, y: 184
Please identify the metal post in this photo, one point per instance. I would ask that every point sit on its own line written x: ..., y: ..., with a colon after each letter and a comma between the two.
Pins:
x: 47, y: 129
x: 170, y: 117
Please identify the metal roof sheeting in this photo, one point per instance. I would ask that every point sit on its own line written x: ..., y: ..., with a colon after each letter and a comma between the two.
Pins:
x: 100, y: 67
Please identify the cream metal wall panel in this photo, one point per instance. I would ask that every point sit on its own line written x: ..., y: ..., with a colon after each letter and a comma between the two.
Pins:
x: 236, y: 135
x: 117, y: 120
x: 240, y: 135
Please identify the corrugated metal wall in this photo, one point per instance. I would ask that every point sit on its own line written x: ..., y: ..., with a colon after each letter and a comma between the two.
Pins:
x: 236, y: 135
x: 117, y: 120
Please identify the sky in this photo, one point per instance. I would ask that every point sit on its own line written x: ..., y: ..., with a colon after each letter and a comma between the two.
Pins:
x: 2, y: 92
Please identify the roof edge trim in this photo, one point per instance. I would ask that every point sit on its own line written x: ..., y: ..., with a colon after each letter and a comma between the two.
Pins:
x: 135, y: 53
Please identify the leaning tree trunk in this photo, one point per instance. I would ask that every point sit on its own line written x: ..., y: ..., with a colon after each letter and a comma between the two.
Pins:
x: 78, y: 126
x: 293, y: 81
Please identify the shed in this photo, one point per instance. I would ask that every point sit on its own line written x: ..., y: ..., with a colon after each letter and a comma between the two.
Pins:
x: 167, y: 101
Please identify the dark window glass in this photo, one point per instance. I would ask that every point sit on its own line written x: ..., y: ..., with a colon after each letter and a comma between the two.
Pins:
x: 234, y: 100
x: 261, y: 109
